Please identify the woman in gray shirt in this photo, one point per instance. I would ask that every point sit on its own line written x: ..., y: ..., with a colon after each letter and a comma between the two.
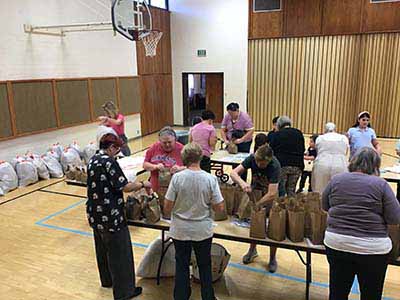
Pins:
x: 360, y: 205
x: 191, y: 195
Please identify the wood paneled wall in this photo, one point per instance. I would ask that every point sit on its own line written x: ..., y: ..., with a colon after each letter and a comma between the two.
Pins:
x: 324, y: 17
x: 33, y: 106
x: 155, y: 77
x: 327, y: 78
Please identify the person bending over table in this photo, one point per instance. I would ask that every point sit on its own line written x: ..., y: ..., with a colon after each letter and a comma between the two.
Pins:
x: 362, y: 135
x: 105, y: 211
x: 360, y: 205
x: 191, y: 195
x: 265, y: 169
x: 166, y: 153
x: 237, y: 123
x: 205, y: 135
x: 116, y: 121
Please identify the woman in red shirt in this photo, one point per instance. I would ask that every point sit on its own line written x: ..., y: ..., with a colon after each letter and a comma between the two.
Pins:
x: 116, y: 121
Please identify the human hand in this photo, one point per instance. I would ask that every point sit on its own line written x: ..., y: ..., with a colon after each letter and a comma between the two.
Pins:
x: 146, y: 184
x: 246, y: 187
x: 159, y: 167
x: 238, y: 141
x: 174, y: 169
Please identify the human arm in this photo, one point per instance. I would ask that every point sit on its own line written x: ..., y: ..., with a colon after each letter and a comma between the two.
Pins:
x: 246, y: 137
x: 212, y: 141
x: 377, y: 146
x: 148, y: 165
x: 268, y: 197
x: 235, y: 175
x: 168, y: 206
x: 224, y: 129
x: 391, y: 206
x: 135, y: 186
x: 175, y: 169
x: 217, y: 201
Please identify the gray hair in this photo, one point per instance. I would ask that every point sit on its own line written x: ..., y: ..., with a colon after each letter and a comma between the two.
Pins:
x: 167, y: 130
x: 366, y: 160
x: 283, y: 121
x: 191, y: 154
x: 330, y: 127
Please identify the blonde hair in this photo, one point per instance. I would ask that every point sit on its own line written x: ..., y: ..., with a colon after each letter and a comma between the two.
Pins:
x: 110, y: 108
x: 191, y: 154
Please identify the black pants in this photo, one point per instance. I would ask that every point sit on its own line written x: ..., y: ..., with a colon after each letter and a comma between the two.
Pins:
x: 244, y: 147
x: 370, y: 271
x: 126, y: 151
x: 205, y: 164
x: 303, y: 179
x: 183, y: 251
x: 115, y: 262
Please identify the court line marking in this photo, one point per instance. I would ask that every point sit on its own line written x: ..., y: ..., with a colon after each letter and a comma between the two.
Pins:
x: 354, y: 290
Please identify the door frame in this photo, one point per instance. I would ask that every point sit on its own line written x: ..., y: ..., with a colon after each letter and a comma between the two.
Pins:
x: 185, y: 92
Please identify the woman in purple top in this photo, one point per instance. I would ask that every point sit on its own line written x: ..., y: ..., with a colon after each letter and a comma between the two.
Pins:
x: 239, y: 125
x: 360, y: 205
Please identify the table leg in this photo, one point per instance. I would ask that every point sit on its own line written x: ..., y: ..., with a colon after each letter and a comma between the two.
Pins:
x: 308, y: 274
x: 163, y: 252
x: 398, y: 191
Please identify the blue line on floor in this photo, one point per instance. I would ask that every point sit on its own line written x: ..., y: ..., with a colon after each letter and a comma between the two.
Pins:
x: 355, y: 288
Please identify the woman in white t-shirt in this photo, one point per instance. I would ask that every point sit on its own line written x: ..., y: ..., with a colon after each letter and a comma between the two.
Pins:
x: 191, y: 195
x: 331, y: 159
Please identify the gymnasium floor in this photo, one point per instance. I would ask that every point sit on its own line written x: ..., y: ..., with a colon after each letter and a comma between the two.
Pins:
x: 47, y: 252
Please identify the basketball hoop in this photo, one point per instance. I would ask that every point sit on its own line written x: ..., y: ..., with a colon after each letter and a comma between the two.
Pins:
x: 150, y: 41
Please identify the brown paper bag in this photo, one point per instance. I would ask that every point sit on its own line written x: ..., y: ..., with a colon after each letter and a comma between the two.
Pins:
x: 277, y: 223
x: 133, y: 208
x: 239, y: 197
x: 318, y: 227
x: 313, y: 202
x: 295, y: 223
x: 161, y: 198
x: 394, y: 234
x: 258, y: 226
x: 244, y: 209
x: 232, y: 148
x: 164, y: 177
x: 151, y: 210
x: 228, y: 193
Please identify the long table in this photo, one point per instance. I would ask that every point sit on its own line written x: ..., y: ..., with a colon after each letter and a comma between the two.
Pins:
x: 225, y: 230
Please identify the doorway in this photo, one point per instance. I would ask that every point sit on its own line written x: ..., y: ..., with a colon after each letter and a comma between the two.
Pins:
x: 202, y: 91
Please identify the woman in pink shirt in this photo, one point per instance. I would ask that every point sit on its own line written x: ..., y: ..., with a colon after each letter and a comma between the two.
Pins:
x: 205, y: 135
x: 116, y: 121
x: 164, y: 154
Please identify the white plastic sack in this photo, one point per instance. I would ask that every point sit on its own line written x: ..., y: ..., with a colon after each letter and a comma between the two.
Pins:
x: 70, y: 157
x: 77, y: 148
x: 149, y: 264
x: 54, y: 167
x: 53, y: 154
x: 219, y: 261
x: 103, y: 130
x: 89, y: 151
x: 43, y: 173
x: 26, y: 171
x: 57, y: 150
x: 8, y: 178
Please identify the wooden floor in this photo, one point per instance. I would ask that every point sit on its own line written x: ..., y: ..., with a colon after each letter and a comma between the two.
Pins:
x: 46, y: 252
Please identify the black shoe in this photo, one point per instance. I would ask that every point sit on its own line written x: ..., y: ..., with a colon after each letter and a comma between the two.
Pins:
x: 138, y: 290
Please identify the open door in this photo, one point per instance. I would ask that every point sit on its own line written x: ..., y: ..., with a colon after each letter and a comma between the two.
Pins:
x: 202, y: 91
x: 215, y: 95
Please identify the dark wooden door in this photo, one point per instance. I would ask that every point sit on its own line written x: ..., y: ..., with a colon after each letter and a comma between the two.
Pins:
x: 215, y: 95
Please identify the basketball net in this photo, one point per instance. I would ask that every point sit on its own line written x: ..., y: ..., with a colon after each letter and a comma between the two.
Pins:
x: 150, y: 41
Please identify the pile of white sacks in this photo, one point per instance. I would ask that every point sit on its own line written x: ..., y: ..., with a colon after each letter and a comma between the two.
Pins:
x: 27, y: 169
